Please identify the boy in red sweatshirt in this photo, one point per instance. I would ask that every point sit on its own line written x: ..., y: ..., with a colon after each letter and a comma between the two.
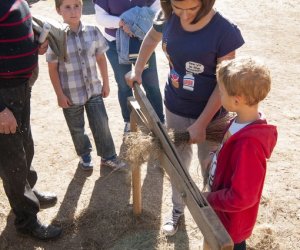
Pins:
x: 238, y: 168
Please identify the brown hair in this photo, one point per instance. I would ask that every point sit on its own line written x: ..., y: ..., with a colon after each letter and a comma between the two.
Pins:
x: 58, y: 3
x: 245, y: 77
x: 167, y: 9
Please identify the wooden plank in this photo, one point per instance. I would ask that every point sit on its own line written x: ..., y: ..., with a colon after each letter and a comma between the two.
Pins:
x: 136, y: 175
x: 204, y: 216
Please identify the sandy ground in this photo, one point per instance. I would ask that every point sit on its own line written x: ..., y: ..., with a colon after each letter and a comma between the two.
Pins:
x: 95, y: 209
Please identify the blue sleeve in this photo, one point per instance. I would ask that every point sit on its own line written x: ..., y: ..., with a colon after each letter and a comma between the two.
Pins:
x: 231, y: 40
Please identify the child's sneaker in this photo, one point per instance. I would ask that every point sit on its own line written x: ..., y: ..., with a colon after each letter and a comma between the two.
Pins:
x: 86, y: 162
x: 171, y: 225
x: 114, y: 163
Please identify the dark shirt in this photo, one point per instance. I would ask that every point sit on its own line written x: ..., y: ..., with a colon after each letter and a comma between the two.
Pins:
x: 18, y: 51
x: 193, y: 59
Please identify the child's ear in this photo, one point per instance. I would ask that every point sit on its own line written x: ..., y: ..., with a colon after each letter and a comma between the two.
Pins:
x: 58, y: 11
x: 238, y: 99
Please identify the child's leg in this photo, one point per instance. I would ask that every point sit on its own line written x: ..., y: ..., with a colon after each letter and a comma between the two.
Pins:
x: 98, y: 121
x: 75, y: 120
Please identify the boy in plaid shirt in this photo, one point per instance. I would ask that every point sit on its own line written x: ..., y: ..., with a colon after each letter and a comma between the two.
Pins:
x: 78, y: 87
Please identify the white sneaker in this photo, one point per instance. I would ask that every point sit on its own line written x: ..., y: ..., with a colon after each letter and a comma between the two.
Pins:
x: 171, y: 225
x: 85, y: 162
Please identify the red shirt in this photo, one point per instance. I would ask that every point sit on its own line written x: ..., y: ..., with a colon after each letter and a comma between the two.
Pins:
x: 239, y: 178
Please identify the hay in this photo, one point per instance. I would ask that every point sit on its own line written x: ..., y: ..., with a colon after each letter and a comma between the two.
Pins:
x: 138, y: 146
x: 263, y: 238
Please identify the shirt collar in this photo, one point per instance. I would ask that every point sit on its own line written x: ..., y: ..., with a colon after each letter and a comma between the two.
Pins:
x: 82, y: 28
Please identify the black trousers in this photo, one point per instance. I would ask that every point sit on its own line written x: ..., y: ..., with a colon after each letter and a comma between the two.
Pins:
x: 16, y: 153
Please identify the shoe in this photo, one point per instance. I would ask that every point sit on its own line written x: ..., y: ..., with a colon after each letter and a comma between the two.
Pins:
x: 46, y: 199
x: 171, y: 225
x: 127, y: 128
x: 114, y: 163
x: 42, y: 232
x: 86, y: 162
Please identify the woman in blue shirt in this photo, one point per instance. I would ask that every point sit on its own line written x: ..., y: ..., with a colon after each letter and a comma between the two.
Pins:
x: 195, y: 38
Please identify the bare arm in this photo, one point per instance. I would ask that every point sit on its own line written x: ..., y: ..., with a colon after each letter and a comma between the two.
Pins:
x: 63, y: 101
x: 198, y: 129
x: 102, y: 65
x: 149, y: 44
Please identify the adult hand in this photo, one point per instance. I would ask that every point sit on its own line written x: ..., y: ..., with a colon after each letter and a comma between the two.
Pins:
x: 197, y: 133
x: 126, y: 28
x: 131, y: 77
x: 43, y: 48
x: 8, y: 123
x: 63, y: 101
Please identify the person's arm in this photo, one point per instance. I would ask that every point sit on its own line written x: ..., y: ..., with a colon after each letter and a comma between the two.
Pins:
x: 155, y: 6
x: 149, y: 44
x: 247, y: 179
x: 197, y: 130
x: 63, y: 101
x: 8, y: 123
x: 106, y: 20
x: 102, y: 64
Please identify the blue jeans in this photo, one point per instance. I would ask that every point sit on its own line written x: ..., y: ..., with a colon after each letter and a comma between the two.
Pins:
x: 149, y: 81
x: 98, y: 121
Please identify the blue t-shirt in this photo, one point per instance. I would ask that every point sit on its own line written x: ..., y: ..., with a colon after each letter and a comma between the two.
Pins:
x: 193, y: 59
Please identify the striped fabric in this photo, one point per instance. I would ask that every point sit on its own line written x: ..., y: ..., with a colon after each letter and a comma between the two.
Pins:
x: 18, y: 51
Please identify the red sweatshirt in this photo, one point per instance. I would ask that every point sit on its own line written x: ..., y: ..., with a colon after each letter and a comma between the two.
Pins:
x: 239, y: 178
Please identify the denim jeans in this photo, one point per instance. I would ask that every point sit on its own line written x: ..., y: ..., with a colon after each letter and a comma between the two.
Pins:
x: 16, y: 154
x: 179, y: 123
x: 98, y: 121
x: 149, y: 81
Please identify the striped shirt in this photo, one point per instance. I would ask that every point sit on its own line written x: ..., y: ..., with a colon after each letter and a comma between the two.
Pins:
x: 78, y: 76
x: 18, y: 51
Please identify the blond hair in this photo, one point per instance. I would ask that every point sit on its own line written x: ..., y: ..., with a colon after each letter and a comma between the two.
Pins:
x: 245, y: 77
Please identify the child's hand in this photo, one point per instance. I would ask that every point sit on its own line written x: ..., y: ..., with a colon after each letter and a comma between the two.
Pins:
x: 105, y: 90
x: 64, y: 101
x: 43, y: 48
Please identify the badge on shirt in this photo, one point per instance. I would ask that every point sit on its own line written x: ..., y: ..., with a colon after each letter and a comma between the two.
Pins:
x: 174, y: 78
x: 188, y: 82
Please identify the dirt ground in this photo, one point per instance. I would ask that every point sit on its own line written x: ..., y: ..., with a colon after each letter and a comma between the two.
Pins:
x: 95, y: 209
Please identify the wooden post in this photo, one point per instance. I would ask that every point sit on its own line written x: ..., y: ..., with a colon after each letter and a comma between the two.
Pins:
x: 136, y: 174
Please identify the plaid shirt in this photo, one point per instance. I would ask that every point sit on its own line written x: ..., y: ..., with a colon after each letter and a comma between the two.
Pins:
x: 78, y: 76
